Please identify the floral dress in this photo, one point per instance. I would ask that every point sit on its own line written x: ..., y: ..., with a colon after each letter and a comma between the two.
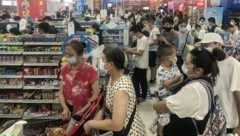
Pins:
x: 124, y: 83
x: 77, y: 88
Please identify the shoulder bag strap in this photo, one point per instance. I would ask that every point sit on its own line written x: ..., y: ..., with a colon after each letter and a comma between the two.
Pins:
x: 185, y: 44
x: 130, y: 121
x: 208, y: 88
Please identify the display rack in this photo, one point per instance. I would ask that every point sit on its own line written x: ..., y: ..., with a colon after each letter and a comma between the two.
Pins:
x: 28, y: 79
x: 115, y: 34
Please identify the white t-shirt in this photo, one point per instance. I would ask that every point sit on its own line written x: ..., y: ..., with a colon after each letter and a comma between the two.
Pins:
x: 191, y: 101
x: 228, y: 82
x: 163, y: 75
x: 142, y: 61
x: 153, y: 37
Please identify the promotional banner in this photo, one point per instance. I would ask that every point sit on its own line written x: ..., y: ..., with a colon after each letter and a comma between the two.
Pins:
x: 217, y: 13
x: 32, y: 8
x: 136, y: 4
x: 79, y: 6
x: 200, y: 4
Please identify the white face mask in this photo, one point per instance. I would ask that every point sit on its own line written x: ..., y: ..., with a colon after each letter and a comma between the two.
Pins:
x: 71, y: 60
x: 232, y: 23
x: 184, y: 69
x: 210, y: 49
x: 183, y: 29
x: 101, y: 67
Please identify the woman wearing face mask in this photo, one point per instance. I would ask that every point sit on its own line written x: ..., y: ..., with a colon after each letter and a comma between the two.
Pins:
x: 79, y: 81
x: 185, y: 38
x: 191, y: 101
x: 120, y: 99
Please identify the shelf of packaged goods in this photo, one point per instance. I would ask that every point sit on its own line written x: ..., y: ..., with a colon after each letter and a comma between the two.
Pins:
x: 40, y: 64
x: 11, y: 63
x: 10, y: 87
x: 38, y: 87
x: 10, y: 115
x: 51, y: 117
x: 111, y: 35
x: 10, y: 76
x: 10, y: 52
x: 40, y: 76
x: 42, y: 53
x: 43, y: 43
x: 11, y: 43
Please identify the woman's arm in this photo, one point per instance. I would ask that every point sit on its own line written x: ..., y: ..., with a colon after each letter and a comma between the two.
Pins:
x: 66, y: 114
x: 161, y: 107
x: 120, y: 104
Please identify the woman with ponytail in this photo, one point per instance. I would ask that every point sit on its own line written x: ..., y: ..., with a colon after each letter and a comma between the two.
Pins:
x: 191, y: 100
x: 227, y: 86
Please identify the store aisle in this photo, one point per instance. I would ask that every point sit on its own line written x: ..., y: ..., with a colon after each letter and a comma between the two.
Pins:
x: 147, y: 113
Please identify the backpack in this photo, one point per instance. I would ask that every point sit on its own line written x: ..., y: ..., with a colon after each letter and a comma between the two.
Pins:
x: 216, y: 124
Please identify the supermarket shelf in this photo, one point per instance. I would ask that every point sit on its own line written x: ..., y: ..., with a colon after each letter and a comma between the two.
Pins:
x: 10, y: 52
x: 40, y: 87
x: 11, y: 87
x: 28, y: 101
x: 111, y: 35
x: 40, y: 64
x: 11, y: 43
x: 43, y: 43
x: 40, y: 101
x: 11, y: 64
x: 10, y: 116
x: 10, y: 76
x: 42, y: 53
x: 52, y: 117
x: 40, y: 76
x: 10, y: 101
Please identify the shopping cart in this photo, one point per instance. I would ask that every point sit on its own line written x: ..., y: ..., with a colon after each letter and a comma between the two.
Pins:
x: 77, y: 129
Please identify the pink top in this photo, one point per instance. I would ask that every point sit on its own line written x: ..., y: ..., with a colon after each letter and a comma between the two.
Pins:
x: 77, y: 88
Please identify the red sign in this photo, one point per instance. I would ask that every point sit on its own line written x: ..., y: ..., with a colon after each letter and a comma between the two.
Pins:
x: 200, y: 4
x: 32, y: 8
x: 136, y: 4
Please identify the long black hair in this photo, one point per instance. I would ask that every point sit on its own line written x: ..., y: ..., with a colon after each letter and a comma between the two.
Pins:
x: 204, y: 59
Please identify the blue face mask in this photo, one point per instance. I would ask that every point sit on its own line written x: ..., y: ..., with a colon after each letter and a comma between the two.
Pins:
x: 182, y: 29
x: 71, y: 61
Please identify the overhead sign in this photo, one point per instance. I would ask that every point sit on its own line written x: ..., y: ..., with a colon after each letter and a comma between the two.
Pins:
x: 79, y: 6
x: 32, y: 8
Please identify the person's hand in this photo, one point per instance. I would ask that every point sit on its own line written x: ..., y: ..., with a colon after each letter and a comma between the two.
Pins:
x: 87, y: 127
x: 237, y: 130
x: 66, y: 114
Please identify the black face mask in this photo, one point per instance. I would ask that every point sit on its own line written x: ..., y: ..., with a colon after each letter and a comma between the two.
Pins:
x: 167, y: 29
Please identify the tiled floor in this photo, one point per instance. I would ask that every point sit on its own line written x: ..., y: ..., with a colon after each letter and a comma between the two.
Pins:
x: 147, y: 113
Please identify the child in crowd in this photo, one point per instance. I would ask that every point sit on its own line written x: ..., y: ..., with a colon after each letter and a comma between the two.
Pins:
x: 167, y: 78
